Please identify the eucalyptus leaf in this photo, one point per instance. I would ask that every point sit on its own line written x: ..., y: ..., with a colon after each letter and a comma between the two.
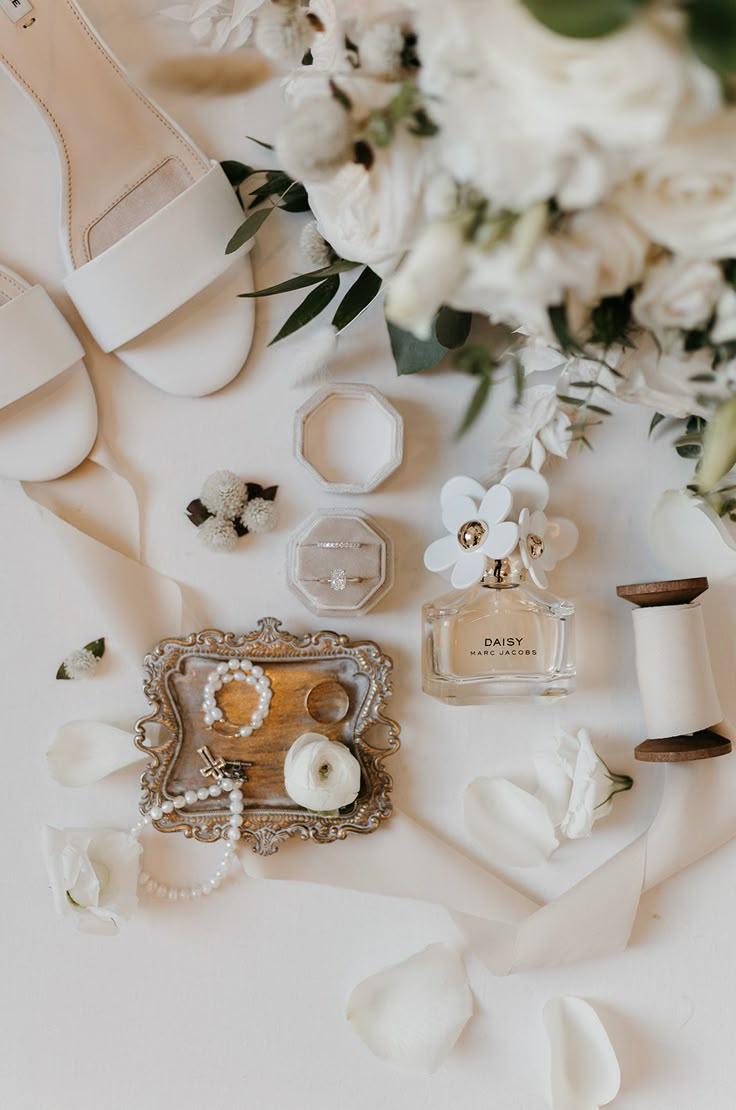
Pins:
x: 412, y: 355
x: 260, y: 142
x: 452, y: 327
x: 713, y: 33
x: 295, y: 198
x: 237, y: 172
x: 302, y: 281
x: 96, y: 647
x: 584, y: 19
x: 61, y: 673
x: 364, y: 289
x: 314, y: 303
x: 656, y: 419
x: 248, y: 229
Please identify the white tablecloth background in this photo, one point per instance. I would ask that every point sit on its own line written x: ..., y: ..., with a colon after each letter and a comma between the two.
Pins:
x: 238, y: 1001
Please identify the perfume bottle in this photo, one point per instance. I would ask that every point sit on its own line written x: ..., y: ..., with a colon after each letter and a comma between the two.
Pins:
x: 501, y: 638
x: 499, y: 634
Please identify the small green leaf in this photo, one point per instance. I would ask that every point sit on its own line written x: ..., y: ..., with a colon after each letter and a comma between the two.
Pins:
x: 248, y: 229
x: 363, y: 290
x: 477, y: 402
x: 568, y: 400
x: 601, y: 411
x: 519, y: 378
x: 61, y: 673
x: 96, y: 647
x: 422, y: 125
x: 656, y: 419
x: 197, y: 512
x: 237, y: 172
x: 558, y: 319
x: 311, y: 306
x: 412, y: 355
x: 266, y: 146
x: 302, y: 281
x: 72, y: 902
x: 452, y: 327
x: 611, y: 319
x: 713, y: 33
x: 340, y: 96
x: 584, y: 18
x: 294, y: 199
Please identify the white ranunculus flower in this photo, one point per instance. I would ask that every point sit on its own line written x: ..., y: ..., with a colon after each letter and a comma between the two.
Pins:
x: 575, y: 784
x: 683, y: 194
x: 659, y: 375
x: 320, y: 774
x: 535, y: 428
x: 678, y: 293
x: 426, y: 278
x: 93, y: 875
x: 527, y: 114
x: 218, y: 24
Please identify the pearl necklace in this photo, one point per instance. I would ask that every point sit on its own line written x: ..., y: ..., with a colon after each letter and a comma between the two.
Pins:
x: 175, y: 893
x: 237, y: 670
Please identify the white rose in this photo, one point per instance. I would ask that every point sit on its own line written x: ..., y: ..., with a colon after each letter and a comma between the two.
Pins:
x: 615, y: 247
x: 527, y: 114
x: 678, y: 293
x: 320, y: 774
x: 659, y: 375
x: 575, y: 784
x: 684, y: 192
x: 93, y: 875
x: 427, y: 277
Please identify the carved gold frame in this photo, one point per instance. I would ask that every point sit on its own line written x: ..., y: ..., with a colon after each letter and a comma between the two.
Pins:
x: 266, y: 827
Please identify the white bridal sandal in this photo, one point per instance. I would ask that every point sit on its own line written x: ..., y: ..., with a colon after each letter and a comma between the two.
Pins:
x: 48, y: 415
x: 146, y: 216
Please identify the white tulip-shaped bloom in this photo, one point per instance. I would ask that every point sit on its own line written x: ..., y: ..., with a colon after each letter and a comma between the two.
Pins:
x: 93, y: 875
x: 320, y: 774
x: 477, y: 530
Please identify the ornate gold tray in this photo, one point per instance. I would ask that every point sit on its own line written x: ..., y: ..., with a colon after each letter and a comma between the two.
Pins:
x: 322, y: 683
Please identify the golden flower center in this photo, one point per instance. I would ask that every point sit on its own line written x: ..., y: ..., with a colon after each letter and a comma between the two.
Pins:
x: 535, y: 546
x: 472, y: 534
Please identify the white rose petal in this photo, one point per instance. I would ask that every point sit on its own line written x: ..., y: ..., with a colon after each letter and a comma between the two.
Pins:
x: 83, y: 752
x: 615, y: 247
x: 427, y: 278
x: 584, y: 1070
x: 678, y: 293
x: 320, y: 774
x: 510, y: 825
x: 688, y: 538
x: 93, y: 875
x: 412, y: 1014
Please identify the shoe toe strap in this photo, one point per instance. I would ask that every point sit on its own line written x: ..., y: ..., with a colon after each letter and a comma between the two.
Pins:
x: 160, y: 265
x: 36, y: 344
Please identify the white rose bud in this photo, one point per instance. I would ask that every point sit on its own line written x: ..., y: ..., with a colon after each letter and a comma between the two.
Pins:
x: 316, y: 140
x: 678, y: 293
x: 320, y: 774
x: 93, y: 875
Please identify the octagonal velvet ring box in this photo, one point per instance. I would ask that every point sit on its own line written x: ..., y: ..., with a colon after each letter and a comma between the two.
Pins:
x: 340, y: 563
x: 349, y: 437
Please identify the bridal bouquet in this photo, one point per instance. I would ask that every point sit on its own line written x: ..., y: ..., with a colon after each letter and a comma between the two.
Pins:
x: 565, y: 169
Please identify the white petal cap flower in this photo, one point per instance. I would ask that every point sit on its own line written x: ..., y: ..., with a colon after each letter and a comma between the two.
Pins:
x: 316, y: 139
x: 218, y: 533
x: 259, y: 515
x: 93, y: 875
x: 543, y: 542
x: 320, y: 774
x: 575, y: 785
x: 477, y: 528
x: 411, y: 1014
x: 224, y: 493
x: 584, y: 1070
x: 511, y: 826
x: 80, y: 664
x: 83, y: 752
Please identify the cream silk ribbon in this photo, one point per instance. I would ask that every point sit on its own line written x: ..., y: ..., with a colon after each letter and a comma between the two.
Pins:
x: 507, y: 930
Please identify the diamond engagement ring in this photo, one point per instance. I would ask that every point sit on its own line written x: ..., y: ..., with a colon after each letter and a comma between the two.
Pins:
x: 337, y: 580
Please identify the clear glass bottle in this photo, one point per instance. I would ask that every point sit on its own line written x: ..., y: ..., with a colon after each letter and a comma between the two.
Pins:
x: 501, y: 639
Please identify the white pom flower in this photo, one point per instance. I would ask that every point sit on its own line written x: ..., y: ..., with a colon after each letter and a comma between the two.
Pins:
x: 259, y: 515
x: 314, y: 247
x: 380, y: 49
x: 283, y: 32
x: 218, y: 534
x: 224, y: 493
x: 316, y: 140
x: 93, y: 875
x: 80, y: 664
x: 320, y: 774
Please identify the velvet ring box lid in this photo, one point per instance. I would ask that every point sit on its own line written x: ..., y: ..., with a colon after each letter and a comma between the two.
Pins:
x: 349, y: 437
x: 340, y: 563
